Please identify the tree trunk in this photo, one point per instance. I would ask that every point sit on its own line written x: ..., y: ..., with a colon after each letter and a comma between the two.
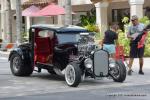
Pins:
x: 9, y: 23
x: 18, y: 21
x: 68, y: 12
x: 3, y: 20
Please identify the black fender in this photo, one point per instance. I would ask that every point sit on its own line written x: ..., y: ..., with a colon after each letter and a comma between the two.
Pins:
x: 16, y: 51
x: 26, y: 65
x: 23, y: 50
x: 24, y: 53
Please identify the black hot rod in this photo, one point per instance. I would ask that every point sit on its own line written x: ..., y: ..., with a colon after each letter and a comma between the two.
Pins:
x: 68, y: 51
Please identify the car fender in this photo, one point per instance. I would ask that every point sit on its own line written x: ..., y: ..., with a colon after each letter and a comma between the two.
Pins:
x: 23, y: 53
x: 17, y: 51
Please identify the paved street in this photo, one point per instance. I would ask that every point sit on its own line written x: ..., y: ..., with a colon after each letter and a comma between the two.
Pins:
x: 43, y: 86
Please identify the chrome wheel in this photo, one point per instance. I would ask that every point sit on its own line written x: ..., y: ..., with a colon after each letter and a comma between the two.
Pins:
x: 70, y: 74
x: 118, y: 72
x: 115, y: 71
x: 16, y: 64
x: 73, y: 74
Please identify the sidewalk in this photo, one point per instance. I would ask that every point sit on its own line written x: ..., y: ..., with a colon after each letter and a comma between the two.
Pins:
x: 4, y: 53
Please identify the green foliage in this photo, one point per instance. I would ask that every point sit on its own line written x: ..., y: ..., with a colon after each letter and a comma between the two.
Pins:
x: 89, y: 22
x: 147, y: 47
x: 24, y: 37
x: 125, y: 20
x: 99, y: 36
x: 91, y: 27
x: 124, y: 41
x: 89, y: 19
x: 145, y: 20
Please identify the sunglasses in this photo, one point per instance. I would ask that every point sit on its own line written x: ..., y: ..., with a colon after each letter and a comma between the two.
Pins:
x: 133, y: 20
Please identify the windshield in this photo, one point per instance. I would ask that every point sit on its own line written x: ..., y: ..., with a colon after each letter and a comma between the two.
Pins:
x: 71, y: 37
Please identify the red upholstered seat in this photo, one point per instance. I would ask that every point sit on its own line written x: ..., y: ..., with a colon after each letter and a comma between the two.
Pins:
x: 43, y: 49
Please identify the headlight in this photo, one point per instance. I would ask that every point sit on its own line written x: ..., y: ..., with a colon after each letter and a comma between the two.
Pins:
x: 88, y: 63
x: 112, y: 63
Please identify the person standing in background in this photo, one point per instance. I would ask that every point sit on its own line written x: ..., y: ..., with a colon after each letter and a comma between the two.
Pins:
x: 134, y: 30
x: 110, y: 37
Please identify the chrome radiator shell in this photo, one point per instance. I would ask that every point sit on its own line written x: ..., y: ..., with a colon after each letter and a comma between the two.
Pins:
x: 100, y: 63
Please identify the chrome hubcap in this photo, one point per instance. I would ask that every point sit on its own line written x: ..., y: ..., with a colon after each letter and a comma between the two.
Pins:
x: 115, y: 71
x: 16, y: 64
x: 70, y: 74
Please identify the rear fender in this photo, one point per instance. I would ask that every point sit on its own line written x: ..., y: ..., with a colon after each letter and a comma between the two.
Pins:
x: 25, y: 55
x: 24, y: 51
x: 16, y: 51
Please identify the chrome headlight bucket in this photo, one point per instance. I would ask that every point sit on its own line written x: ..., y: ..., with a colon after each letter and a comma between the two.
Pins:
x: 112, y: 63
x: 88, y: 63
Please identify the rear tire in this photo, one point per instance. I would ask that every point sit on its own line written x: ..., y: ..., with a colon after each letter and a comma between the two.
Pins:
x: 18, y: 67
x: 73, y: 74
x: 119, y: 72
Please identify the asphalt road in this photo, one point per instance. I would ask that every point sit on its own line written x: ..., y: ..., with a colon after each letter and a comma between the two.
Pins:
x: 43, y: 86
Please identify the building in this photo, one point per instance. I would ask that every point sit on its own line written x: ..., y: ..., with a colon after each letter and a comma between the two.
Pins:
x: 106, y: 12
x: 112, y: 11
x: 4, y: 18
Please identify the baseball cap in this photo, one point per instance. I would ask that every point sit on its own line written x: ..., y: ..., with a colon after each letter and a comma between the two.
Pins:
x: 134, y: 17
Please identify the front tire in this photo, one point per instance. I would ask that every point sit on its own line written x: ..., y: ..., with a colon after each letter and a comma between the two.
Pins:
x: 118, y: 73
x: 73, y: 74
x: 18, y: 67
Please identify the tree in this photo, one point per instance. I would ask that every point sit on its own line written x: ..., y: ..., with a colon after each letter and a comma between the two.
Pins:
x: 9, y: 24
x: 18, y: 21
x: 68, y: 12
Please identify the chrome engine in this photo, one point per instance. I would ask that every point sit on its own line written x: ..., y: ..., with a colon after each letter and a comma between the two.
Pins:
x: 86, y: 44
x: 95, y: 59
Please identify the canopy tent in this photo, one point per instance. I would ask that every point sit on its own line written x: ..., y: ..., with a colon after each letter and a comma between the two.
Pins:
x: 29, y: 11
x: 50, y: 10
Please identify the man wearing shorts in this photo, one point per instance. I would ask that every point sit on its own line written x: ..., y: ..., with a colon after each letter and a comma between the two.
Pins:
x: 134, y: 30
x: 109, y: 40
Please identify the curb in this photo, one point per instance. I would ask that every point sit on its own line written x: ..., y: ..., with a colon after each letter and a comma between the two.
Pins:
x: 5, y: 52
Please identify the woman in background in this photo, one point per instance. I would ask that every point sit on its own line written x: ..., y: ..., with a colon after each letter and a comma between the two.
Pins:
x: 110, y: 40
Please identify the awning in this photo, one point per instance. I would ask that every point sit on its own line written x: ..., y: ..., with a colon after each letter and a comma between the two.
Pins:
x: 40, y: 3
x: 29, y: 11
x: 50, y: 10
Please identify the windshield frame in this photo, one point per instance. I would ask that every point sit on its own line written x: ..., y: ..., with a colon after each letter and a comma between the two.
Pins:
x: 77, y: 34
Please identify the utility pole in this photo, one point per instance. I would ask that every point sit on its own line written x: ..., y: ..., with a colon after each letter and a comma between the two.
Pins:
x: 18, y: 21
x: 68, y: 13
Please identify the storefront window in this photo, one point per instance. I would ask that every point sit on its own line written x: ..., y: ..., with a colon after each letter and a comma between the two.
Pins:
x: 77, y: 17
x: 147, y: 12
x: 119, y: 14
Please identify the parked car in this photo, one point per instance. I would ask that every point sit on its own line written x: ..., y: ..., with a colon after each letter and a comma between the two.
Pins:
x: 68, y: 51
